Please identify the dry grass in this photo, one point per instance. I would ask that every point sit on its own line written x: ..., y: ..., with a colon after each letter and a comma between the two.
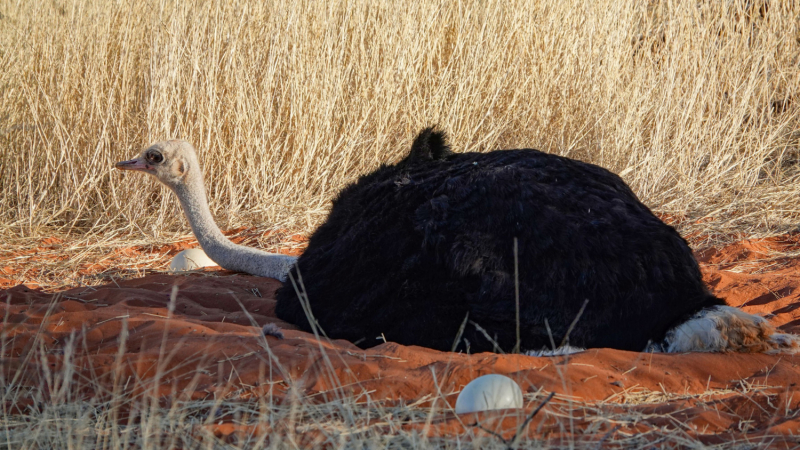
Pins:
x: 694, y: 103
x: 345, y: 423
x: 63, y: 261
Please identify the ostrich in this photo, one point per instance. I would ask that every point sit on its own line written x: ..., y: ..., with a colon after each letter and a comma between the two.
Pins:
x: 175, y: 164
x: 422, y: 252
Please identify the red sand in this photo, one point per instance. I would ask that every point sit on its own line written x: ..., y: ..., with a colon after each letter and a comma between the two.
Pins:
x: 207, y: 346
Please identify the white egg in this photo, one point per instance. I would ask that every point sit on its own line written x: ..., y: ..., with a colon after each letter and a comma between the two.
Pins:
x: 191, y: 259
x: 489, y: 392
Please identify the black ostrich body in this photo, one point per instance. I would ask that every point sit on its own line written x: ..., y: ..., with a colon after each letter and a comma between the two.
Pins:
x: 408, y: 250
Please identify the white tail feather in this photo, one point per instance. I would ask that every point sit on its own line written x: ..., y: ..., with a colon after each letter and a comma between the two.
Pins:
x: 729, y: 329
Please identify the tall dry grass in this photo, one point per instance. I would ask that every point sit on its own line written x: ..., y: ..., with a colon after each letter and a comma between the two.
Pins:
x: 694, y: 103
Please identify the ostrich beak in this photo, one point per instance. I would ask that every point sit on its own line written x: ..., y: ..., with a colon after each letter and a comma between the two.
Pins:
x: 133, y: 164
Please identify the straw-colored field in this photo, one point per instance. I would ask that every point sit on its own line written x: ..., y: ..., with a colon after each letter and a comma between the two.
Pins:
x: 695, y: 104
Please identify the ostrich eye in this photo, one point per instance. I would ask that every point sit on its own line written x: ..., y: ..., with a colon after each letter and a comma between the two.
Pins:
x: 154, y: 157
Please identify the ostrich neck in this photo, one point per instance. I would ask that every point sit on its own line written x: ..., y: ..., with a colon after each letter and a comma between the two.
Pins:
x: 195, y: 206
x: 228, y: 255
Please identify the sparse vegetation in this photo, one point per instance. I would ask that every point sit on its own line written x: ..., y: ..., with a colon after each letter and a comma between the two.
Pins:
x: 159, y: 400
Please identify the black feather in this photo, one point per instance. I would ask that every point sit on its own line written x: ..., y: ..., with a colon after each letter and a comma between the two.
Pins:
x: 408, y: 250
x: 429, y: 145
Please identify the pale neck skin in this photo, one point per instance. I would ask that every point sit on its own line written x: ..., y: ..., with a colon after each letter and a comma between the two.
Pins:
x: 228, y: 255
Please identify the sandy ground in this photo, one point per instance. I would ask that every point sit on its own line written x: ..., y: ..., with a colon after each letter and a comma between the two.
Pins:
x: 199, y: 335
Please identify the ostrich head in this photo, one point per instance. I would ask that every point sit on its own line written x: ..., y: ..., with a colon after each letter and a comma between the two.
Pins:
x: 173, y: 163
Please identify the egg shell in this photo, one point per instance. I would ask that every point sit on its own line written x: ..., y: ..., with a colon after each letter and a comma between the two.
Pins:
x: 191, y: 259
x: 489, y: 392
